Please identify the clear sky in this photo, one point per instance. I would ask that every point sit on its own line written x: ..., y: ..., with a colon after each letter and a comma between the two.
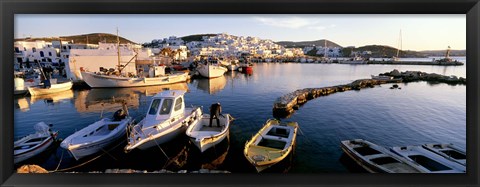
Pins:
x: 419, y: 32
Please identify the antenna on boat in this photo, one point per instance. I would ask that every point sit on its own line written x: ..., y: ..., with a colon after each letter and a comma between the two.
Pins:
x: 118, y: 52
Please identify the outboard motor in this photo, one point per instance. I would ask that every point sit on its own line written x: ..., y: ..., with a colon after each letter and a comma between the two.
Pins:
x: 119, y: 115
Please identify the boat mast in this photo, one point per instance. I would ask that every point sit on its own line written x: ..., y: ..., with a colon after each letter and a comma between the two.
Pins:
x: 325, y: 55
x: 399, y: 43
x: 118, y: 52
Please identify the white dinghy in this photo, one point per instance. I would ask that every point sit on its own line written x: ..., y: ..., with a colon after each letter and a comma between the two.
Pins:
x: 205, y: 136
x: 377, y: 159
x: 166, y: 119
x: 33, y: 144
x: 430, y: 161
x: 449, y: 151
x: 97, y: 136
x: 54, y: 88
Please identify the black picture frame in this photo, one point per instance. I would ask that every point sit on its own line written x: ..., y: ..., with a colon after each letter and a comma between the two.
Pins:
x: 9, y: 8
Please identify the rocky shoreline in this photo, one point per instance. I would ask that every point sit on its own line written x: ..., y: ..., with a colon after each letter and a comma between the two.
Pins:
x: 285, y: 105
x: 38, y: 169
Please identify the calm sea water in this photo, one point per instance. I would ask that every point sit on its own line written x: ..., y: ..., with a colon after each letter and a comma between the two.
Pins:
x: 418, y: 113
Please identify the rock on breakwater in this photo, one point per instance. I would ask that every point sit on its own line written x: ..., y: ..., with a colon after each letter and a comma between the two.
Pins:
x: 285, y: 105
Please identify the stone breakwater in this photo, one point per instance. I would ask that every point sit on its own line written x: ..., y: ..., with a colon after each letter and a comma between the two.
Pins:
x: 285, y: 105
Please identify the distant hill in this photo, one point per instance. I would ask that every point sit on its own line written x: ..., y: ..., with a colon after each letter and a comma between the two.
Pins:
x: 196, y: 37
x: 442, y: 52
x: 93, y: 38
x: 379, y: 51
x: 290, y: 44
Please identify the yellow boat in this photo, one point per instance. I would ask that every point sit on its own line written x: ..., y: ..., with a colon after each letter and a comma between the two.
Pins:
x: 271, y: 144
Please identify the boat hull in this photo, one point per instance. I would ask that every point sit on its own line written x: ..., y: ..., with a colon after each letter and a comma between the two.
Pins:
x: 55, y: 88
x: 104, y: 81
x: 87, y: 150
x: 206, y: 142
x: 35, y: 151
x: 210, y: 71
x: 164, y: 138
x: 232, y: 67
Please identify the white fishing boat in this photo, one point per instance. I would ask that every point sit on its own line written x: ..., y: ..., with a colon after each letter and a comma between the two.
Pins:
x: 354, y: 60
x: 205, y: 136
x: 118, y: 79
x: 54, y: 88
x: 233, y: 67
x: 33, y: 144
x: 428, y: 160
x: 166, y: 118
x: 271, y: 144
x: 19, y: 88
x: 100, y: 80
x: 381, y: 77
x: 377, y: 159
x: 97, y: 136
x: 449, y: 151
x: 211, y: 70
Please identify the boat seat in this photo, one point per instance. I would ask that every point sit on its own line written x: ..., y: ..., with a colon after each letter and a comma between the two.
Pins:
x: 269, y: 137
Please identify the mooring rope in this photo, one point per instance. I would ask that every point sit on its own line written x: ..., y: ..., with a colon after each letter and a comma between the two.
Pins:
x: 82, y: 164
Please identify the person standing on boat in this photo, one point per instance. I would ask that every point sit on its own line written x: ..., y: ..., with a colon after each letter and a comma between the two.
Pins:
x: 215, y: 110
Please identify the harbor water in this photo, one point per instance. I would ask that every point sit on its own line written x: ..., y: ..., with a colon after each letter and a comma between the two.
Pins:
x: 420, y: 112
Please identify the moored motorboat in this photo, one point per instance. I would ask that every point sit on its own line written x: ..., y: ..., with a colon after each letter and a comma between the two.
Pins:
x: 377, y: 159
x: 448, y: 151
x: 54, y: 88
x: 205, y: 136
x: 381, y: 77
x: 428, y: 160
x: 166, y: 118
x: 33, y: 144
x: 97, y: 136
x: 271, y: 144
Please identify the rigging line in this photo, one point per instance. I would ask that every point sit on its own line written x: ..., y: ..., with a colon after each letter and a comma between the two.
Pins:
x: 168, y: 158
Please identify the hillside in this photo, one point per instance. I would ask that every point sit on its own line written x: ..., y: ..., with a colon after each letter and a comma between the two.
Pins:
x: 93, y: 38
x: 290, y: 44
x: 196, y: 37
x: 379, y: 51
x: 442, y: 52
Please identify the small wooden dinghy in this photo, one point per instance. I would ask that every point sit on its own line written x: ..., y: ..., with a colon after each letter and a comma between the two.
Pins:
x: 33, y: 144
x: 203, y: 136
x: 449, y: 151
x: 429, y: 161
x: 54, y: 88
x: 377, y: 159
x: 271, y: 144
x: 97, y: 136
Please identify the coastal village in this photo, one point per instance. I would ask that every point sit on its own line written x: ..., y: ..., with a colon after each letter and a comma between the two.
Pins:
x: 49, y: 67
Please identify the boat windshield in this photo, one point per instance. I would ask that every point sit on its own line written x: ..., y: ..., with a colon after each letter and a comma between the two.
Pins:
x: 154, y: 107
x: 166, y: 106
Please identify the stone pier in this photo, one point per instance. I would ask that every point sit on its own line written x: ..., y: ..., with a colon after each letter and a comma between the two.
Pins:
x: 284, y: 106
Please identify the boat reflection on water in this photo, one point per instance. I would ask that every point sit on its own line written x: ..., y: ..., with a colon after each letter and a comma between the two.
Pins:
x: 214, y: 157
x: 52, y: 98
x: 110, y: 99
x: 22, y: 104
x: 212, y: 85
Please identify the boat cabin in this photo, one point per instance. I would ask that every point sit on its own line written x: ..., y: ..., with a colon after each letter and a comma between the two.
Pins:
x: 166, y: 105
